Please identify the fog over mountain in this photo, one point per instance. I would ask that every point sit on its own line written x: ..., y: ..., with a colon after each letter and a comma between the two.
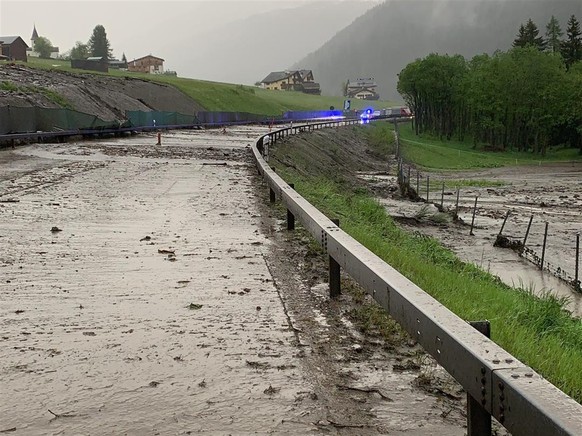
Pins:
x: 385, y: 39
x: 247, y: 50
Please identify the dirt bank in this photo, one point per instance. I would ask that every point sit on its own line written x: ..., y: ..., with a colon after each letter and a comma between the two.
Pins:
x: 106, y: 97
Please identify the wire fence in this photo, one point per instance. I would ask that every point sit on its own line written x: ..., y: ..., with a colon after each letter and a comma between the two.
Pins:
x: 419, y: 187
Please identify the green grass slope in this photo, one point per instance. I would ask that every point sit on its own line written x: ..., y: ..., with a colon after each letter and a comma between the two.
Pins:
x: 216, y: 96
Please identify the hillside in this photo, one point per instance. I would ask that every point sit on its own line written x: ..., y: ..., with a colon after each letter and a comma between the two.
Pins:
x: 384, y: 40
x: 53, y: 84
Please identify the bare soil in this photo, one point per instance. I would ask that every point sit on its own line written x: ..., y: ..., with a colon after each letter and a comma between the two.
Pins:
x: 106, y: 97
x: 148, y: 290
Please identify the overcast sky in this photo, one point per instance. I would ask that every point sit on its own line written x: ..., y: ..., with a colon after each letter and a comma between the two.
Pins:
x: 134, y: 27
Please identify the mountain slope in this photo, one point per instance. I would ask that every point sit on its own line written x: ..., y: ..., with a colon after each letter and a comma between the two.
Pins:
x: 381, y: 42
x: 246, y: 51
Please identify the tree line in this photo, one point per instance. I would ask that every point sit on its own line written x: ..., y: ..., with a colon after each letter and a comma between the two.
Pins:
x: 527, y: 99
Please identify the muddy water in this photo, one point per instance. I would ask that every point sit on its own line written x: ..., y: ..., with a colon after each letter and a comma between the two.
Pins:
x: 97, y: 324
x: 551, y: 193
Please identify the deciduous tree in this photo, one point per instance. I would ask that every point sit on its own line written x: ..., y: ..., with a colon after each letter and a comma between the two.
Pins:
x: 79, y: 51
x: 43, y: 47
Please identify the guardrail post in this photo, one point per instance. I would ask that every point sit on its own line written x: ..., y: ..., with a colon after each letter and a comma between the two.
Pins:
x: 478, y: 419
x: 290, y: 216
x: 334, y: 273
x: 272, y: 197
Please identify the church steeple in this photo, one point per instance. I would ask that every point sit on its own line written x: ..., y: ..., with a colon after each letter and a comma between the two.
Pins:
x: 34, y: 34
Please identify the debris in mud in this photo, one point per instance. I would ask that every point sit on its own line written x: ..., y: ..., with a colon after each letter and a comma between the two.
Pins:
x: 202, y: 384
x: 19, y: 311
x: 256, y: 243
x: 10, y: 200
x: 366, y: 390
x: 162, y: 251
x: 8, y: 430
x: 271, y: 390
x: 258, y: 308
x: 154, y: 384
x: 194, y: 306
x: 258, y: 365
x: 178, y: 358
x: 409, y: 365
x: 55, y: 229
x: 327, y: 423
x: 284, y: 367
x: 89, y: 334
x: 146, y: 238
x: 60, y: 415
x: 215, y: 163
x: 505, y: 242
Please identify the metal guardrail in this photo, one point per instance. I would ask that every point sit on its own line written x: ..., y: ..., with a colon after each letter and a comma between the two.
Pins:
x: 497, y: 383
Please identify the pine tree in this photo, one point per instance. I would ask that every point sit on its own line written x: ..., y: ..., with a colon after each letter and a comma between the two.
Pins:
x: 529, y: 35
x: 521, y: 39
x: 572, y: 46
x: 99, y: 44
x: 553, y: 35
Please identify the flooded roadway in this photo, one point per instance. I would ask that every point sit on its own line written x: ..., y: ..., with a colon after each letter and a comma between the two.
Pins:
x: 137, y: 296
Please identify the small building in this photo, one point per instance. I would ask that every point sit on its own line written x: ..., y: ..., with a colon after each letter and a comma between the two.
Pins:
x: 96, y: 63
x: 281, y: 80
x: 291, y: 80
x: 30, y: 50
x: 311, y: 88
x: 13, y: 48
x: 116, y: 64
x: 147, y: 64
x: 363, y: 89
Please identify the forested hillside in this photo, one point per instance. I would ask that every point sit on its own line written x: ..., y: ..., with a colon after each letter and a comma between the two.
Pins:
x: 384, y: 40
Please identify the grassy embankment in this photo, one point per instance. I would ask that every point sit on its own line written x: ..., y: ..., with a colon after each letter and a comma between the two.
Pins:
x: 216, y: 96
x: 536, y: 330
x: 432, y: 153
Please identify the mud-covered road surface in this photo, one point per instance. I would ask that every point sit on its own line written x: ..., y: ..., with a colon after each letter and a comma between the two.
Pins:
x: 151, y: 290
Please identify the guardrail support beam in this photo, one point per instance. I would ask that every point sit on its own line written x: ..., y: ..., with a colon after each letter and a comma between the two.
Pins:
x: 478, y: 419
